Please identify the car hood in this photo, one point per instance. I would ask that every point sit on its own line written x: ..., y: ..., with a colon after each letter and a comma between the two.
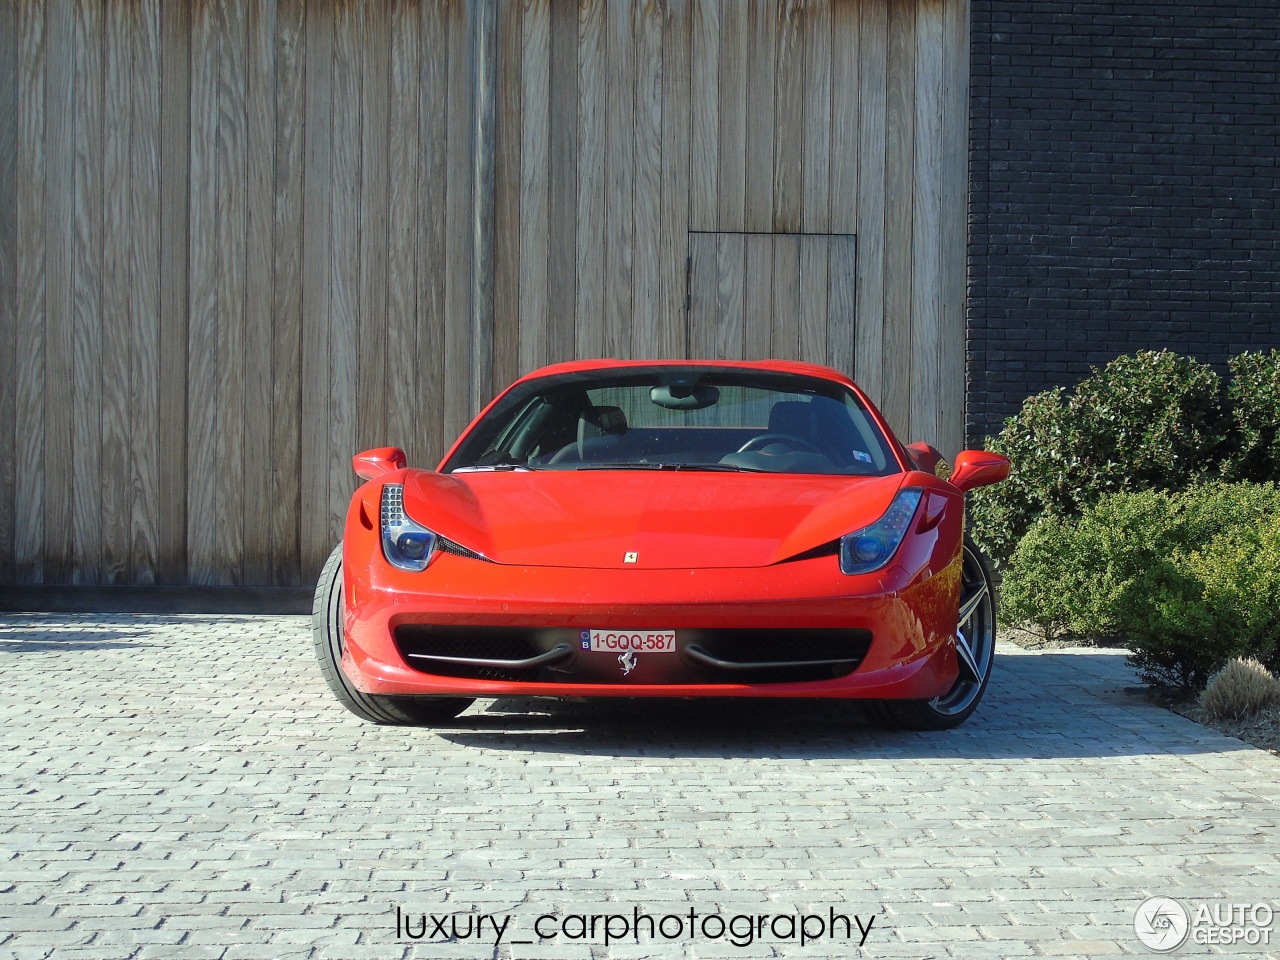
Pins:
x: 669, y: 520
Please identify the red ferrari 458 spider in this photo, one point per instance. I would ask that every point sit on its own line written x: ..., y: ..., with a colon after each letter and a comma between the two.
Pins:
x: 663, y: 529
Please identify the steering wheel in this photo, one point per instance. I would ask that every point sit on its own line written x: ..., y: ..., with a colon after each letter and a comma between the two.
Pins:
x: 792, y: 441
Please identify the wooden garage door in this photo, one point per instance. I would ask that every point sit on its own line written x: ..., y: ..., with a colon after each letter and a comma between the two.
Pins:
x: 786, y: 295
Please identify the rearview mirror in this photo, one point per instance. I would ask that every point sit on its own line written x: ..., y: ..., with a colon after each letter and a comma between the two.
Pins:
x: 371, y: 464
x: 977, y: 468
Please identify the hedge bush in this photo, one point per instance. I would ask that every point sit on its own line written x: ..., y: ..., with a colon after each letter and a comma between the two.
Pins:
x: 1253, y: 398
x: 1150, y: 421
x: 1190, y: 579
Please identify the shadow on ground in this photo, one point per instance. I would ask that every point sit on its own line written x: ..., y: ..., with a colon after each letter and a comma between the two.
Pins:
x: 1051, y: 705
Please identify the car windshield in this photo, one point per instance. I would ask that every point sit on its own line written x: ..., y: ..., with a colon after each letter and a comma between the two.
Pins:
x: 678, y: 418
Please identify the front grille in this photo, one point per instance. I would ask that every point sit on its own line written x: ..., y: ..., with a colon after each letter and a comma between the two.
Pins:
x: 702, y: 656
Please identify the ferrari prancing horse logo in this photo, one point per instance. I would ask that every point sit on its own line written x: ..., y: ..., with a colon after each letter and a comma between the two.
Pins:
x: 630, y: 557
x: 628, y: 661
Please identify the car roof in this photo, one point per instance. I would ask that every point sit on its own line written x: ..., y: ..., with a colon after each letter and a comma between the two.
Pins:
x: 773, y: 366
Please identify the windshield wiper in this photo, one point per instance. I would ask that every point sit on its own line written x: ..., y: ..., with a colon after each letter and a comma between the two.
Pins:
x: 493, y: 468
x: 721, y: 468
x: 627, y: 466
x: 690, y: 467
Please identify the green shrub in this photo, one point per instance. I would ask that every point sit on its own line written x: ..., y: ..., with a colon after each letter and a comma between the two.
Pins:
x: 1150, y: 421
x: 1254, y: 403
x: 1073, y: 574
x: 1190, y: 579
x: 1192, y: 612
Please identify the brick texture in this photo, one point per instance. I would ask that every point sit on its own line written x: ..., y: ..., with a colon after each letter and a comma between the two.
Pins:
x: 1123, y: 189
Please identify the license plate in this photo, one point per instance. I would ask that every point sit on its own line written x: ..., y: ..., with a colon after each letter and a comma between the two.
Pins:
x: 637, y: 641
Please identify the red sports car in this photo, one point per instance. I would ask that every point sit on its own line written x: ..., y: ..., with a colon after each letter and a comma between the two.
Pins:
x: 663, y: 529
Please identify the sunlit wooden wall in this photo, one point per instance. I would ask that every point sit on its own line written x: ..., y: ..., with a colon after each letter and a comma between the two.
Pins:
x: 240, y: 240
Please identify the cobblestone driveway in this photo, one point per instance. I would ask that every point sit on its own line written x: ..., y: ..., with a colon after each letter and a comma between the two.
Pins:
x: 186, y: 787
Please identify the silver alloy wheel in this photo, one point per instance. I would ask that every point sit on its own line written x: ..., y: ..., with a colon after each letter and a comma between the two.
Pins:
x: 975, y: 638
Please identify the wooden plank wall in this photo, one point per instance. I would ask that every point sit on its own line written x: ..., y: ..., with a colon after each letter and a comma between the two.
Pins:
x: 240, y: 239
x: 778, y: 121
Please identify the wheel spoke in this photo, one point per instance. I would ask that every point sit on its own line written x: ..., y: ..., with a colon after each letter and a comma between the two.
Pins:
x: 972, y: 602
x: 964, y: 653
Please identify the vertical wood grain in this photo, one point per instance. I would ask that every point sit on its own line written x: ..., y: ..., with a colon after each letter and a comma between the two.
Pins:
x: 619, y: 198
x: 344, y: 264
x: 925, y: 332
x: 506, y: 214
x: 817, y: 115
x: 898, y: 194
x: 842, y: 308
x: 731, y: 174
x: 762, y: 60
x: 483, y: 42
x: 846, y: 96
x: 730, y: 296
x: 375, y: 92
x: 144, y: 294
x: 704, y: 96
x: 314, y: 511
x: 295, y: 204
x: 117, y: 330
x: 260, y: 106
x: 592, y: 179
x: 676, y: 124
x: 562, y: 157
x: 535, y: 157
x: 704, y: 294
x: 403, y: 213
x: 646, y: 311
x: 432, y: 196
x: 954, y: 163
x: 8, y: 281
x: 784, y: 335
x: 29, y: 412
x: 177, y: 138
x: 873, y: 84
x: 202, y: 364
x: 60, y: 100
x: 288, y: 203
x: 86, y: 261
x: 229, y: 252
x: 757, y: 282
x: 814, y: 287
x: 457, y: 331
x: 789, y: 119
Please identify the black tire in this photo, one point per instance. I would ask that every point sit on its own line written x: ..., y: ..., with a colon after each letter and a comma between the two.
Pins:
x: 956, y: 705
x: 329, y: 639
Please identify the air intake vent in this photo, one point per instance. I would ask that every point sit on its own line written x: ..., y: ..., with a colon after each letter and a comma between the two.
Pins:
x: 445, y: 545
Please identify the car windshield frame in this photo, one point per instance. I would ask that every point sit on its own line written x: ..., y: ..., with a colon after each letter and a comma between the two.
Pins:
x: 679, y: 418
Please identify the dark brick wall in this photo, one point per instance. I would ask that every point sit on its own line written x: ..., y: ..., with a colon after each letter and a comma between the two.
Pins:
x: 1124, y: 186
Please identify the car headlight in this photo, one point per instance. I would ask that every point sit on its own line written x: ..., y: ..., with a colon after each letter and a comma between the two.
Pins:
x: 872, y: 547
x: 405, y: 544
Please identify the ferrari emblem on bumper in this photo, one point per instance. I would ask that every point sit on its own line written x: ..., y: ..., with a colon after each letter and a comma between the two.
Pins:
x: 628, y: 661
x: 630, y: 557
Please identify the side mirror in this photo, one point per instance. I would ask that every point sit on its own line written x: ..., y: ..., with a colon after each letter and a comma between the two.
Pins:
x: 977, y: 468
x: 372, y: 464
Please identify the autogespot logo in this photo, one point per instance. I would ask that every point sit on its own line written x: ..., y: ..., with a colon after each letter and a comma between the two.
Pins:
x: 1161, y: 923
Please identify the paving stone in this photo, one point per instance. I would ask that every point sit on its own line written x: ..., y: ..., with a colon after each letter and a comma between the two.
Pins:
x: 186, y: 787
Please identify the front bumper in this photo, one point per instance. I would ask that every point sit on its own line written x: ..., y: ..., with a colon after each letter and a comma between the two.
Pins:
x: 906, y: 612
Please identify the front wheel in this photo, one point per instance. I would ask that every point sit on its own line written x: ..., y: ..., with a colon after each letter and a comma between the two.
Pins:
x: 330, y: 641
x: 975, y: 651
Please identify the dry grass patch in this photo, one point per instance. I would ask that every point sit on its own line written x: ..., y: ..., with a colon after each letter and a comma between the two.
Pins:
x: 1241, y: 689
